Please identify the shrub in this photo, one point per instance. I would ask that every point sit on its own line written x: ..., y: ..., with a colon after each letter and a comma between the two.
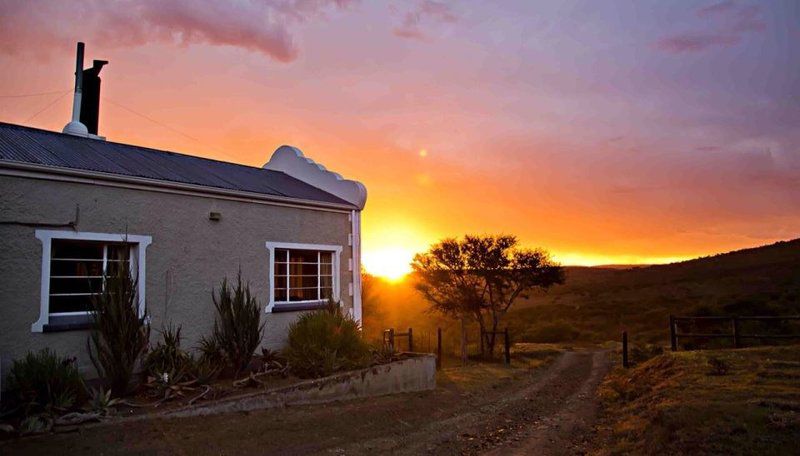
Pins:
x: 119, y: 336
x: 237, y: 329
x: 44, y: 380
x: 326, y: 341
x: 167, y: 356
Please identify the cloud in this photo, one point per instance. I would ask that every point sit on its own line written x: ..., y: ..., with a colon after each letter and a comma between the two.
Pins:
x: 716, y: 9
x: 689, y: 42
x: 729, y: 22
x: 426, y: 12
x: 260, y: 26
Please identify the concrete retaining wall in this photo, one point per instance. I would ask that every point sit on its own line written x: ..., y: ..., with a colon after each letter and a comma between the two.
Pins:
x: 417, y: 373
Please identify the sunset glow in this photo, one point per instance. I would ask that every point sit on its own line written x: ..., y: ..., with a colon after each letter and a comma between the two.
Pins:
x: 391, y: 263
x: 639, y: 133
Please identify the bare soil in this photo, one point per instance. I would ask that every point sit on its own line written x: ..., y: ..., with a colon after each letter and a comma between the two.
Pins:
x: 543, y: 404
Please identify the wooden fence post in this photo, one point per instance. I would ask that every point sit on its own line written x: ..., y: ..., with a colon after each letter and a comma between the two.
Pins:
x: 625, y: 349
x: 735, y: 325
x: 410, y: 339
x: 673, y: 338
x: 508, y: 347
x: 438, y: 348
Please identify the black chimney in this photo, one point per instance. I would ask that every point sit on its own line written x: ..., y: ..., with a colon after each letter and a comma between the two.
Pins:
x: 90, y: 100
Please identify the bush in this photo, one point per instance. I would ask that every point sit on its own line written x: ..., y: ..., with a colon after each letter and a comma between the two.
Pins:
x: 237, y: 329
x: 44, y: 380
x: 326, y: 341
x: 119, y: 337
x: 167, y: 357
x: 551, y: 333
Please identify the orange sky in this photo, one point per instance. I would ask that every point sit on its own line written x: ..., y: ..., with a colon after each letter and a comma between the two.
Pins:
x: 674, y: 138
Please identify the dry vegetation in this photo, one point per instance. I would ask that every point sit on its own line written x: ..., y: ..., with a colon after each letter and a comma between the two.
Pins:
x: 705, y: 402
x: 596, y: 304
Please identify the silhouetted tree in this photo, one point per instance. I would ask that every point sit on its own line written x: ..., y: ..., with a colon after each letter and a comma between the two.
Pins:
x: 480, y: 277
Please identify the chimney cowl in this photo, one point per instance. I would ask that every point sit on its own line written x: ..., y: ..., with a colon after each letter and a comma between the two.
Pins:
x: 76, y: 128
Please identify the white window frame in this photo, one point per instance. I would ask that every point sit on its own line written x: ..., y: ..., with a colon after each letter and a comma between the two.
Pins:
x: 271, y: 246
x: 138, y: 243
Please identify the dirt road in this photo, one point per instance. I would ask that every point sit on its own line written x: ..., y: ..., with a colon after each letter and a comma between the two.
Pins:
x: 548, y: 410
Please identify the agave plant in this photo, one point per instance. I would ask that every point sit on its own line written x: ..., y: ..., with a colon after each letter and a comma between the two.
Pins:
x: 101, y: 402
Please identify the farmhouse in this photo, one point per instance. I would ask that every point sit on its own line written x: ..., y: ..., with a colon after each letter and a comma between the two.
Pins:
x: 74, y: 205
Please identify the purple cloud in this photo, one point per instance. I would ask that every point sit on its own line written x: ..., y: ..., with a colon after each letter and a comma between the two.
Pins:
x: 730, y: 22
x: 259, y: 26
x: 426, y: 11
x: 717, y: 8
x: 690, y: 42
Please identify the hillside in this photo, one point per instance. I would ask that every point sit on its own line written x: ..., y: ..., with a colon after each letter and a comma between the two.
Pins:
x: 595, y: 304
x: 704, y: 402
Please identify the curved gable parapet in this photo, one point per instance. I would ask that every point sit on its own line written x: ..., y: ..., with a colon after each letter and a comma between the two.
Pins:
x: 291, y: 161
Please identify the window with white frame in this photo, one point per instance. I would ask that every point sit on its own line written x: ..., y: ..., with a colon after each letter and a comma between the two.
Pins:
x: 302, y: 275
x: 73, y: 267
x: 77, y: 268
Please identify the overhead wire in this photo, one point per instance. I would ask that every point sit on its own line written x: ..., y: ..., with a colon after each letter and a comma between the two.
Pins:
x: 163, y: 125
x: 27, y: 95
x: 47, y: 106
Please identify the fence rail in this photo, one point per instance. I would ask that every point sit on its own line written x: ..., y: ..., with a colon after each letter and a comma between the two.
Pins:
x: 735, y: 333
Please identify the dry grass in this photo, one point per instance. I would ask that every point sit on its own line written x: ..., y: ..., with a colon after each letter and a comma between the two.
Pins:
x: 705, y: 402
x: 477, y: 376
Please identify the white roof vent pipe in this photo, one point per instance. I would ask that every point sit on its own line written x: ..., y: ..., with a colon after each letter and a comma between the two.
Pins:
x: 75, y: 127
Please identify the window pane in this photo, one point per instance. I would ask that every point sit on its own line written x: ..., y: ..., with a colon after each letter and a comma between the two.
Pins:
x: 60, y: 304
x: 303, y: 256
x: 326, y: 257
x: 119, y: 252
x: 76, y: 285
x: 280, y: 255
x: 326, y: 281
x: 280, y: 269
x: 280, y: 294
x: 280, y: 282
x: 76, y: 268
x: 303, y: 282
x: 303, y: 269
x: 326, y: 269
x: 326, y: 292
x: 61, y: 248
x: 303, y: 294
x: 112, y: 267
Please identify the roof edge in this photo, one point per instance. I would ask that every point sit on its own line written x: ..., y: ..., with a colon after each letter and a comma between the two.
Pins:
x: 290, y: 160
x: 83, y: 176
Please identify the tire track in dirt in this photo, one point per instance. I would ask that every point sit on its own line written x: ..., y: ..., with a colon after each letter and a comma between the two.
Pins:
x: 568, y: 430
x: 550, y: 413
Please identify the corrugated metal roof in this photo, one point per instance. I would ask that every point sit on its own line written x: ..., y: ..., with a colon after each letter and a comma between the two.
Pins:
x: 31, y: 145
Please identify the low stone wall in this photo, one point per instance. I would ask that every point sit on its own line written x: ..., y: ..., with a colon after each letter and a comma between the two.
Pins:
x: 416, y: 373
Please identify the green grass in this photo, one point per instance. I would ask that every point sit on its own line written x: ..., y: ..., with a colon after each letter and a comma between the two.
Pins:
x: 677, y: 403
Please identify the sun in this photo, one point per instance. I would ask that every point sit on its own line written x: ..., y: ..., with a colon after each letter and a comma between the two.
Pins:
x: 390, y: 263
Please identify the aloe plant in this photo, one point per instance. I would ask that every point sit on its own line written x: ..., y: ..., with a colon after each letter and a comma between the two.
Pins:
x: 119, y: 336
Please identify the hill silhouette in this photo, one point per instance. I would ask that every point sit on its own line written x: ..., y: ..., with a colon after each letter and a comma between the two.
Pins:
x: 597, y: 303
